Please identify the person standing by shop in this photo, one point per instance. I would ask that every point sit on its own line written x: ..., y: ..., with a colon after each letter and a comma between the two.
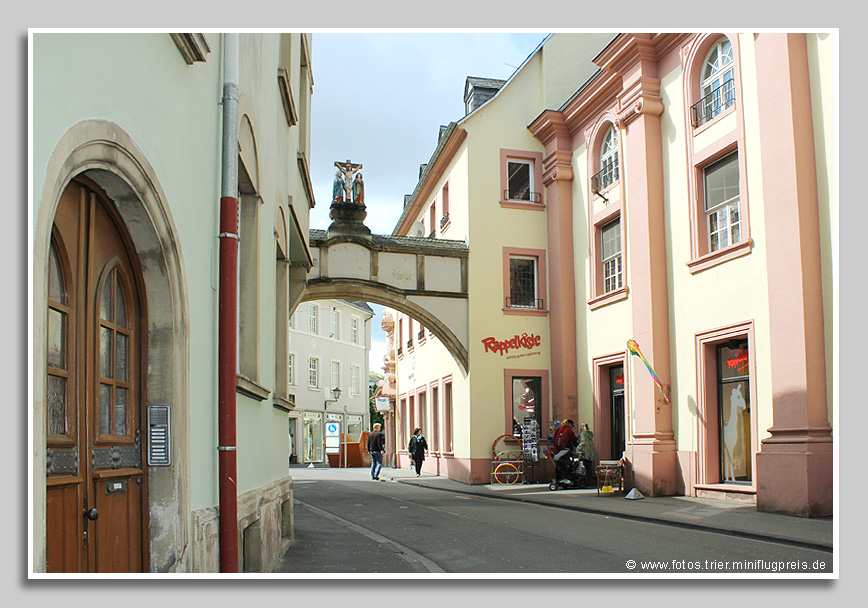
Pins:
x: 586, y: 452
x: 565, y: 442
x: 417, y: 448
x: 376, y: 447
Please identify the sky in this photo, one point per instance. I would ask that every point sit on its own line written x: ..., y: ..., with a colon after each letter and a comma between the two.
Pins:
x: 379, y: 100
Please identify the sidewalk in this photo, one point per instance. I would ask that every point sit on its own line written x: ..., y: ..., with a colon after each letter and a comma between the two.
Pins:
x: 719, y: 516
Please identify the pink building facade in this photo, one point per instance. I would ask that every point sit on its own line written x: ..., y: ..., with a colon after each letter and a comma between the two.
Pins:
x: 686, y: 190
x: 760, y: 93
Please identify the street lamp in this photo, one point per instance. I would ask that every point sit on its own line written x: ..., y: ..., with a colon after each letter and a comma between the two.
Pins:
x: 336, y: 393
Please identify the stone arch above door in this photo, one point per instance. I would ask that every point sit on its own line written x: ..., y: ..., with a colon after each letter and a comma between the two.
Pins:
x: 106, y: 154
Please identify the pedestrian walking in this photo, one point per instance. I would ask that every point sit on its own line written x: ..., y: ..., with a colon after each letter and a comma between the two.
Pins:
x: 417, y: 448
x: 376, y: 446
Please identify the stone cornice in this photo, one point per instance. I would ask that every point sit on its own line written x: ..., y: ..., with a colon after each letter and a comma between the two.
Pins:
x: 599, y: 96
x: 626, y: 51
x: 629, y: 49
x: 549, y: 126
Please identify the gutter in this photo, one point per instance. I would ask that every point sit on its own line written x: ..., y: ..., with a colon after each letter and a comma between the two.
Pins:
x: 227, y: 323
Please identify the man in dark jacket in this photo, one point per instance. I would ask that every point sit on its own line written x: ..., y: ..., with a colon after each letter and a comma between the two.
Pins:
x: 376, y: 446
x: 565, y: 441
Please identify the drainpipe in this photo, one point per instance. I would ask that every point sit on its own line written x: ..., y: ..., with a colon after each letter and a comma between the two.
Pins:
x: 228, y: 311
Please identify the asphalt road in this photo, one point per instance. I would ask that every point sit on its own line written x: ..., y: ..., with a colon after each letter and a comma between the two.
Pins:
x: 350, y: 526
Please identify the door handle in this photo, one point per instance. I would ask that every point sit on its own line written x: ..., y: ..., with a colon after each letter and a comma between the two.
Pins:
x: 91, y: 514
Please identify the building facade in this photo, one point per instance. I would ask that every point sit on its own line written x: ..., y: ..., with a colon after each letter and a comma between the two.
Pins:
x: 329, y: 343
x: 679, y: 195
x: 167, y: 169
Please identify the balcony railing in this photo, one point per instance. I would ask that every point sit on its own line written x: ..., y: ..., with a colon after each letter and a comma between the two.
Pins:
x: 524, y: 196
x: 525, y: 303
x: 604, y: 177
x: 409, y: 343
x: 421, y: 334
x: 720, y: 99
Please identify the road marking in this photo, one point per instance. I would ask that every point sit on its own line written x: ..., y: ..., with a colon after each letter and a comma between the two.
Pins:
x: 418, y: 562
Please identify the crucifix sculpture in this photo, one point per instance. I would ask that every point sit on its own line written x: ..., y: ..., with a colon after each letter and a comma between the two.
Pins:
x: 348, y: 189
x: 348, y: 201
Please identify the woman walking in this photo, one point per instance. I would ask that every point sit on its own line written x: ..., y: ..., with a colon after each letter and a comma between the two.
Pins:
x: 417, y: 448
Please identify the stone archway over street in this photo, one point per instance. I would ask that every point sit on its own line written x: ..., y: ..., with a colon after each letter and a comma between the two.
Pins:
x: 425, y: 278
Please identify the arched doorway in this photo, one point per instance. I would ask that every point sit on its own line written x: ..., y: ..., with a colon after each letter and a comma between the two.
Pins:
x: 96, y: 477
x: 103, y: 155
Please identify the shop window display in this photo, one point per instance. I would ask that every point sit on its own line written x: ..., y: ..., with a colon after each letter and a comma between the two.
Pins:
x: 734, y: 411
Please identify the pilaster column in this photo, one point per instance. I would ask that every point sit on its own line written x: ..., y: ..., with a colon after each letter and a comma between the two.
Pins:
x: 795, y: 464
x: 653, y: 444
x: 558, y: 181
x: 551, y: 130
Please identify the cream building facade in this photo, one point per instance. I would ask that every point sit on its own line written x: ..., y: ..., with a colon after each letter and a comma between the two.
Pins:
x: 329, y: 343
x: 139, y: 143
x: 679, y: 194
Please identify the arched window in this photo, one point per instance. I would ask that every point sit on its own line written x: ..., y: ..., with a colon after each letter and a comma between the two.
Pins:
x: 114, y: 353
x: 717, y: 85
x: 59, y: 340
x: 609, y: 168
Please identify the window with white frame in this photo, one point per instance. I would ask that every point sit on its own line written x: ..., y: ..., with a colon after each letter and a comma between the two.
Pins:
x: 717, y: 87
x: 523, y: 283
x: 336, y: 324
x: 519, y: 179
x: 356, y: 379
x: 609, y: 167
x: 336, y: 374
x: 722, y: 202
x: 292, y: 321
x: 610, y: 245
x: 354, y: 330
x: 313, y: 314
x: 290, y: 369
x: 313, y: 372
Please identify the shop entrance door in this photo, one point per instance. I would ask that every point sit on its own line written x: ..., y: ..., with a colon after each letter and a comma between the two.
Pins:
x: 618, y: 435
x: 96, y: 482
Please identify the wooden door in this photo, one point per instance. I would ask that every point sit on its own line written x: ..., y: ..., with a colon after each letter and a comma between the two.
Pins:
x: 96, y: 482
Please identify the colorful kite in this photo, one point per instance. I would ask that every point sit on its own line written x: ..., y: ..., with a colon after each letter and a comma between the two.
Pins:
x: 634, y: 348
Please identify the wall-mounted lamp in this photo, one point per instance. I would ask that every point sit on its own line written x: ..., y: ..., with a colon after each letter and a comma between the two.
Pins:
x: 336, y: 393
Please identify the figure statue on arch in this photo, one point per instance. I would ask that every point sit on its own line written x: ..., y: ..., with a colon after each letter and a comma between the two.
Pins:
x: 339, y: 187
x: 359, y: 189
x: 345, y: 187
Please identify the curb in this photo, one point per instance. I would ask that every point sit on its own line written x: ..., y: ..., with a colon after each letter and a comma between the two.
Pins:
x: 828, y: 548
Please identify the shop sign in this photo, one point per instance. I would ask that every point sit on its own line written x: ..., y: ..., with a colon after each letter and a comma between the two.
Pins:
x: 739, y: 362
x: 502, y: 347
x: 382, y: 404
